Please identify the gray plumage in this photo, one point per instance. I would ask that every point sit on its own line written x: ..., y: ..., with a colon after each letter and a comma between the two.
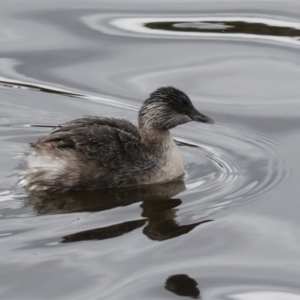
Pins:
x: 99, y: 152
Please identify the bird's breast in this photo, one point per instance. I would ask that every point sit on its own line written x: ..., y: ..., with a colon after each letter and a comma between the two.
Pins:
x: 171, y: 164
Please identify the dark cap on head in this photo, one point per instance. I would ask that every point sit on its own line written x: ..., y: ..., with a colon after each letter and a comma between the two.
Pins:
x: 168, y: 107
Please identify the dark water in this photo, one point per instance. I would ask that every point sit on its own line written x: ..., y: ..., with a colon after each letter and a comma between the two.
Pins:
x: 231, y: 229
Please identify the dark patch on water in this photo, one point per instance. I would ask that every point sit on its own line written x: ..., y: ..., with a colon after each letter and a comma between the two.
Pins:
x: 238, y: 27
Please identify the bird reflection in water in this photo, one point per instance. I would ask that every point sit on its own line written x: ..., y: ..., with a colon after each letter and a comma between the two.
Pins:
x: 159, y: 210
x: 161, y: 216
x: 183, y: 285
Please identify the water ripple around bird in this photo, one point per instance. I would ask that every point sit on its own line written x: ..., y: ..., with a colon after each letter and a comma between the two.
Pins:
x: 217, y: 174
x: 230, y: 228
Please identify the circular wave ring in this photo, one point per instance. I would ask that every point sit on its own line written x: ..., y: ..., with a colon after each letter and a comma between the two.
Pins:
x: 242, y: 165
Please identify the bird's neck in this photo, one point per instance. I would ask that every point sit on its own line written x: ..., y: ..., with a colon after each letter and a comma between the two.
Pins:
x: 160, y: 145
x: 153, y: 137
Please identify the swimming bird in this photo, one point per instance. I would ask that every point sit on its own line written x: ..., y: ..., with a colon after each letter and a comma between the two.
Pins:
x: 99, y: 152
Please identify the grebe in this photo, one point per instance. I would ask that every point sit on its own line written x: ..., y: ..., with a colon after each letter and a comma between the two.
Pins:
x: 99, y: 152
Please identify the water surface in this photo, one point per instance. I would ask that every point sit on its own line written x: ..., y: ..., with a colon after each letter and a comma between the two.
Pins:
x: 230, y: 229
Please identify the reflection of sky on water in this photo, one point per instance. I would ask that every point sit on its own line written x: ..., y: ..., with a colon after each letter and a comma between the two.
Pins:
x: 214, y: 27
x: 266, y: 295
x: 60, y: 61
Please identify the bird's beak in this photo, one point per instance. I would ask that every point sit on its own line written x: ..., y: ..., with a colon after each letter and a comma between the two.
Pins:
x: 197, y: 116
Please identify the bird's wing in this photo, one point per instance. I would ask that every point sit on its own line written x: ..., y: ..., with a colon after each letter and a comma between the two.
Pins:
x: 95, y: 137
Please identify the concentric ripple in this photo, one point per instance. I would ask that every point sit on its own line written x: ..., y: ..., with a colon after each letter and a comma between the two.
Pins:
x: 242, y: 27
x: 232, y: 165
x: 227, y: 165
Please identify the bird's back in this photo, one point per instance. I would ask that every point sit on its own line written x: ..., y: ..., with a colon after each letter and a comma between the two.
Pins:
x: 87, y: 153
